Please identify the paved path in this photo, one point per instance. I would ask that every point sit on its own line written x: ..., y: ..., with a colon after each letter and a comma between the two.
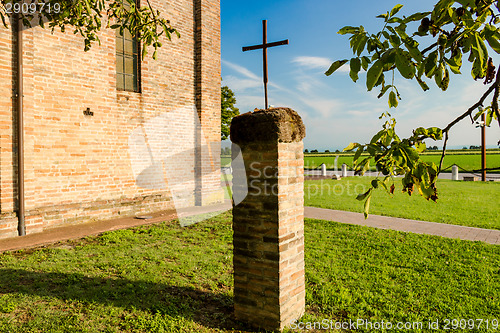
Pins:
x: 394, y: 223
x: 55, y: 235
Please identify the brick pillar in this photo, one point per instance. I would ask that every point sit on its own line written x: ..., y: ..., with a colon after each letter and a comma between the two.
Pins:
x: 268, y: 224
x: 207, y: 94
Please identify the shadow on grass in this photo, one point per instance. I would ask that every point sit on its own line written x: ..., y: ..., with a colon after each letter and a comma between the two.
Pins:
x: 209, y: 309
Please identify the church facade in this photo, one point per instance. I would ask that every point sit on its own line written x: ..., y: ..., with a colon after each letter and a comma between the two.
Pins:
x: 107, y: 134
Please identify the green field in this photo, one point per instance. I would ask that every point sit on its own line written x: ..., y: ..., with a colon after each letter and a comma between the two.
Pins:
x: 467, y: 161
x: 164, y: 278
x: 473, y: 204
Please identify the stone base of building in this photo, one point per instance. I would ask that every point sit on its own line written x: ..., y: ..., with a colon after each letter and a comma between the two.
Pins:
x: 40, y: 219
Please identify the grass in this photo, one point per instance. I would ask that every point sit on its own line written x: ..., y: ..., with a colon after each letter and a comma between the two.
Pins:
x: 471, y: 204
x: 160, y: 278
x: 164, y: 278
x: 357, y: 272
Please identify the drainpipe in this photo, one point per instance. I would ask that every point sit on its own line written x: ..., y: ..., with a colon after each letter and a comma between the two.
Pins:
x: 20, y: 129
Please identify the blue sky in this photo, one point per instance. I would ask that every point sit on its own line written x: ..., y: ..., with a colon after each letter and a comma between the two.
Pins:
x: 335, y: 110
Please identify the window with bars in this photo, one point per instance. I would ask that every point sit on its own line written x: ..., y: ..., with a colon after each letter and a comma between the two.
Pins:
x: 127, y: 61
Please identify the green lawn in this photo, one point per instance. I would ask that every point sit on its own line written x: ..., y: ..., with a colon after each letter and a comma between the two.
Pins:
x: 164, y: 278
x: 473, y: 204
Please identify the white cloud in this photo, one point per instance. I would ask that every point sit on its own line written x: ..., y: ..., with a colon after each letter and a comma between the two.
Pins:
x: 239, y: 84
x: 312, y: 62
x: 242, y: 70
x: 318, y: 62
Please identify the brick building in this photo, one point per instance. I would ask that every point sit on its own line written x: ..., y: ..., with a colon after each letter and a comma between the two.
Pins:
x: 106, y: 134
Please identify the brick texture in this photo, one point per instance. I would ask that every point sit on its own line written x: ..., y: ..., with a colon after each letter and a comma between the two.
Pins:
x: 81, y: 168
x: 269, y: 282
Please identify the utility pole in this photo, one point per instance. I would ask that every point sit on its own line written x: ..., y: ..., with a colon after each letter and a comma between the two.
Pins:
x: 483, y: 148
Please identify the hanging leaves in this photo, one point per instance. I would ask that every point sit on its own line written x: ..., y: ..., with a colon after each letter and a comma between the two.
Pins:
x: 84, y: 17
x: 454, y: 30
x: 336, y: 65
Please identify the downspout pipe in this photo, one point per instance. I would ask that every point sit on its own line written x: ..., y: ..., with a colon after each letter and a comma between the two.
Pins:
x: 21, y: 227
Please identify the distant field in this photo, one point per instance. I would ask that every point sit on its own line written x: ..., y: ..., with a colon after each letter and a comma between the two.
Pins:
x: 468, y: 160
x: 225, y: 160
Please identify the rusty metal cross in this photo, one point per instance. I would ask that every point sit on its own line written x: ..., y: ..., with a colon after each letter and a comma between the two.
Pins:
x: 264, y: 47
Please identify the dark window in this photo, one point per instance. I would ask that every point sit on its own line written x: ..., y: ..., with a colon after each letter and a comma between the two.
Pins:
x: 127, y: 61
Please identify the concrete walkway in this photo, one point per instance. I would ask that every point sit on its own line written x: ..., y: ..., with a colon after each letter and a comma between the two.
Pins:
x: 77, y: 231
x: 395, y: 223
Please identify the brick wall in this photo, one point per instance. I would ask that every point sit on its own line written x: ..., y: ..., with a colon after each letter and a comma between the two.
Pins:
x: 137, y: 151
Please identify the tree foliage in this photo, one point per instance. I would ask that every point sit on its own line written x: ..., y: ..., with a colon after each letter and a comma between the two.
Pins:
x: 85, y: 17
x: 423, y: 46
x: 228, y: 110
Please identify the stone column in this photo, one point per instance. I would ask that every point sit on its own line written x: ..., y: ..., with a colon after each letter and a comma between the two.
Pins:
x: 269, y: 283
x: 344, y: 170
x: 323, y: 169
x: 454, y: 172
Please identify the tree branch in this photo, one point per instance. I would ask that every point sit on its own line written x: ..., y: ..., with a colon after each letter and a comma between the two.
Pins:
x: 429, y: 48
x: 494, y: 87
x: 444, y: 151
x: 494, y: 103
x: 472, y: 108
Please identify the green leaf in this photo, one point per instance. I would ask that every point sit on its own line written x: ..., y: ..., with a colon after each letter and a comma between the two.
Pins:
x: 493, y: 41
x: 435, y: 133
x: 373, y: 74
x: 384, y: 90
x: 395, y: 10
x: 420, y: 131
x: 420, y: 146
x: 479, y: 113
x: 477, y: 71
x: 455, y: 63
x: 348, y: 30
x: 393, y: 100
x: 479, y: 49
x: 395, y: 40
x: 360, y: 45
x: 377, y: 136
x: 351, y: 146
x: 355, y: 68
x: 395, y: 20
x: 404, y: 64
x: 336, y: 65
x: 445, y: 81
x: 431, y: 64
x: 365, y: 61
x: 416, y: 17
x: 362, y: 196
x: 367, y: 206
x: 489, y: 118
x: 358, y: 154
x: 412, y: 47
x: 422, y: 84
x: 425, y: 190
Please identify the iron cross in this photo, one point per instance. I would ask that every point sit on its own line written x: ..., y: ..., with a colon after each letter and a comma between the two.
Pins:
x: 264, y: 47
